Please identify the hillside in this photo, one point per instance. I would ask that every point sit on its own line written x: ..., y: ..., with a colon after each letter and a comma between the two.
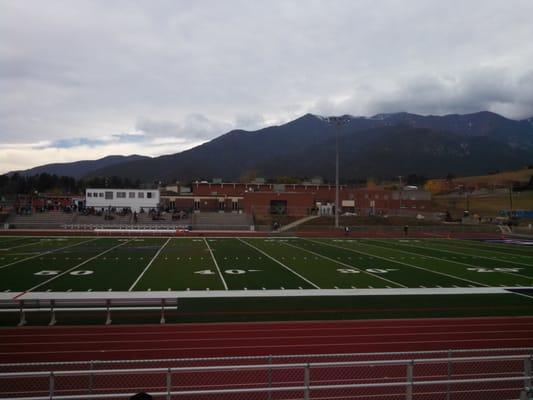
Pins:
x: 381, y: 146
x: 79, y: 169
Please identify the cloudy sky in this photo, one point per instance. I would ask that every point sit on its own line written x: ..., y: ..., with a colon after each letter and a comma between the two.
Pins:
x: 85, y: 79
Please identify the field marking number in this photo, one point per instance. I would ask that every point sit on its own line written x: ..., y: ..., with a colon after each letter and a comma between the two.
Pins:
x: 226, y: 271
x: 55, y: 272
x: 371, y: 270
x: 479, y: 269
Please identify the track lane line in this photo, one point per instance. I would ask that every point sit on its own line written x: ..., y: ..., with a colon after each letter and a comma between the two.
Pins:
x: 267, y: 338
x: 277, y: 346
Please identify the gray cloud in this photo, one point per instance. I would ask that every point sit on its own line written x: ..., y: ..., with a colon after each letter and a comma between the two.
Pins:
x: 185, y: 72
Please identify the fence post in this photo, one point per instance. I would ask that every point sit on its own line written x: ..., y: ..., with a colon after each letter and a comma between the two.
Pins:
x: 108, y: 306
x: 270, y: 376
x: 409, y: 386
x: 52, y: 313
x: 51, y: 385
x: 169, y: 383
x: 527, y: 379
x: 449, y: 385
x: 22, y: 321
x: 91, y: 377
x: 306, y: 381
x: 162, y: 320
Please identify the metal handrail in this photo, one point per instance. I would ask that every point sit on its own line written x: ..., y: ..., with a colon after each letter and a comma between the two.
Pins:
x: 36, y: 374
x: 524, y: 350
x: 284, y: 388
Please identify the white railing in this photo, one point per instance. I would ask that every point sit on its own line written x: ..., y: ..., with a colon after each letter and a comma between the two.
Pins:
x: 54, y: 302
x: 494, y: 377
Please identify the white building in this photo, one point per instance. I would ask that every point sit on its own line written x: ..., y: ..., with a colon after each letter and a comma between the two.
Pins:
x: 134, y: 199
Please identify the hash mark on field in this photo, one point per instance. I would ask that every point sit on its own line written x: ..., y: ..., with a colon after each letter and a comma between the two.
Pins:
x: 47, y: 252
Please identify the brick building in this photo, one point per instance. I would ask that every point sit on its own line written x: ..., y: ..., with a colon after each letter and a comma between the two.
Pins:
x: 289, y: 199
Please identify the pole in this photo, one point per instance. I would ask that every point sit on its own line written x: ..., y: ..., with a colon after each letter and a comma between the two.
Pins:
x: 337, y: 176
x: 511, y: 198
x: 400, y: 189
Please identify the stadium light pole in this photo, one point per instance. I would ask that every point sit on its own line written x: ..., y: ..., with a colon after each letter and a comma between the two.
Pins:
x: 338, y: 122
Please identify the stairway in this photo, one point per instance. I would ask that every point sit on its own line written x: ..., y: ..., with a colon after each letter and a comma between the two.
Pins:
x: 296, y: 223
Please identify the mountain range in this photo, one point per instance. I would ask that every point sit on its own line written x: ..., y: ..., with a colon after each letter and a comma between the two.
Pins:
x: 381, y: 146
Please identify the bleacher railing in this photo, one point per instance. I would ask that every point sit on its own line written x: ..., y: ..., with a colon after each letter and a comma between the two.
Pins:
x: 454, y: 376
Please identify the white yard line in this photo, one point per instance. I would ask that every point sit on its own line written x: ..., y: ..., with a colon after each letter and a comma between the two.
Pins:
x: 20, y: 245
x: 280, y: 263
x: 445, y: 259
x: 480, y: 247
x: 346, y: 265
x: 402, y: 263
x: 521, y: 294
x: 216, y: 264
x: 148, y: 266
x: 493, y: 247
x: 47, y: 252
x: 73, y: 268
x: 466, y: 254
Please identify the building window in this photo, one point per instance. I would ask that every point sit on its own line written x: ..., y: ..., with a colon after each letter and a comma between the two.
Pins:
x: 149, y: 195
x: 109, y: 195
x: 101, y: 194
x: 196, y: 205
x: 131, y: 195
x: 121, y: 195
x: 140, y: 195
x: 234, y: 206
x: 221, y: 206
x: 89, y: 194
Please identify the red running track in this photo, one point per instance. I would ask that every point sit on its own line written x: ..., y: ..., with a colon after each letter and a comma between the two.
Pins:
x: 129, y: 342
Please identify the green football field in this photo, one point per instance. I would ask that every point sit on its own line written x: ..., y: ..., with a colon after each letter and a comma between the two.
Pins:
x: 74, y: 264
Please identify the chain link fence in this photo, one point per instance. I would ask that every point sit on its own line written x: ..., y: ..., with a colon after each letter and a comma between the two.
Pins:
x: 469, y: 374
